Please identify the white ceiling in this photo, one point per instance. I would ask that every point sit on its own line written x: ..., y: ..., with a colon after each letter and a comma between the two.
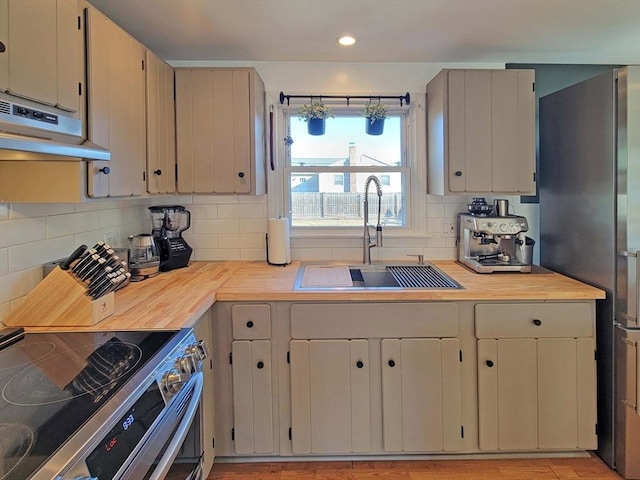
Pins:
x: 505, y: 31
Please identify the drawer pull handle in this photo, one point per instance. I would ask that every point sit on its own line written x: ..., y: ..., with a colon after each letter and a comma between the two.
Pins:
x: 260, y: 365
x: 249, y: 324
x: 489, y: 363
x: 458, y: 173
x: 392, y: 363
x: 359, y: 364
x: 537, y: 322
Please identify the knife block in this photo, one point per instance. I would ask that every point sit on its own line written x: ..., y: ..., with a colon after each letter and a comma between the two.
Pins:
x: 60, y: 300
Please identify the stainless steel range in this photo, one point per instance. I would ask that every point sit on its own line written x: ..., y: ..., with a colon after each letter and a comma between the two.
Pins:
x: 107, y: 405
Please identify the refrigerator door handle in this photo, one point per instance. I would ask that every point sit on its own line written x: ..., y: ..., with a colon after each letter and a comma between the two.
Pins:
x: 638, y: 378
x: 633, y: 317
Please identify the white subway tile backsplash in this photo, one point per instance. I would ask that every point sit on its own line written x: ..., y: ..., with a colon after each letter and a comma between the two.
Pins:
x: 22, y: 230
x: 217, y: 254
x: 30, y: 210
x: 253, y: 254
x: 246, y: 240
x: 228, y: 225
x: 60, y: 225
x: 242, y: 211
x: 203, y: 211
x: 35, y: 254
x: 215, y: 199
x: 97, y: 205
x: 253, y: 199
x: 4, y: 261
x: 253, y: 225
x: 4, y: 211
x: 435, y: 210
x: 18, y: 284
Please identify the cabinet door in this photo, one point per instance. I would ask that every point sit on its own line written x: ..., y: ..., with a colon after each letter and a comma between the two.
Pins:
x: 252, y: 399
x: 161, y: 136
x: 330, y: 399
x: 213, y: 131
x: 421, y: 403
x: 481, y: 127
x: 32, y: 48
x: 536, y: 394
x: 43, y: 57
x: 116, y: 99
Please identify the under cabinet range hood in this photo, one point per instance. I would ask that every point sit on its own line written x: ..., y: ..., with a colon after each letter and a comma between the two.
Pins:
x: 41, y: 129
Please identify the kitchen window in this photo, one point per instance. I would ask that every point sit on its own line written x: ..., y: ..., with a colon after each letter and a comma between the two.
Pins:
x: 335, y: 166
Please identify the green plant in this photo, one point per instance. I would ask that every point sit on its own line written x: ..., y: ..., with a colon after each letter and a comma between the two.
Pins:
x: 375, y: 111
x: 315, y: 110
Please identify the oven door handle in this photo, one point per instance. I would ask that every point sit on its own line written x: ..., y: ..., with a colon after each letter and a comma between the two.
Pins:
x: 165, y: 463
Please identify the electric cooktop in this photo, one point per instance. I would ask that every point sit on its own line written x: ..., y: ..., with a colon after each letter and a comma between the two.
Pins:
x: 52, y: 383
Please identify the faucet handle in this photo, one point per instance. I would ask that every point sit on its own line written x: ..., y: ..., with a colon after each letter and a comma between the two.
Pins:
x: 420, y: 258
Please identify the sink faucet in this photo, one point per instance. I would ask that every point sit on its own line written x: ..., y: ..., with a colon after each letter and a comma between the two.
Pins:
x: 367, y: 244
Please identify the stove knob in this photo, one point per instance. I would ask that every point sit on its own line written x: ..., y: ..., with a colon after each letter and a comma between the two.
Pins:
x: 187, y: 364
x: 199, y: 350
x: 503, y: 227
x: 173, y: 380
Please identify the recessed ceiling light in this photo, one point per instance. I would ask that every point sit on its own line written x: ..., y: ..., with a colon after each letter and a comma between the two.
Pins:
x: 346, y: 40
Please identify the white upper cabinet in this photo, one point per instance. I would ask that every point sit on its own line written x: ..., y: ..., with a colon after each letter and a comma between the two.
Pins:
x: 161, y: 126
x: 220, y: 130
x: 116, y: 108
x: 481, y: 132
x: 42, y: 58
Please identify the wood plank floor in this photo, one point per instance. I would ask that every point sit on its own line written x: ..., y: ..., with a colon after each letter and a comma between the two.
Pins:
x: 493, y: 469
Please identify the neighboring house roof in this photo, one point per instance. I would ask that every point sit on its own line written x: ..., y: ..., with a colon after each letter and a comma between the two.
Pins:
x: 317, y: 162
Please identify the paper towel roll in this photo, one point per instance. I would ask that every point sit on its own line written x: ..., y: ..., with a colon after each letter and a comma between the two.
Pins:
x: 278, y: 245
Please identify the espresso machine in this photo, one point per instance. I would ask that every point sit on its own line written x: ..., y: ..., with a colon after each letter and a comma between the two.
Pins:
x: 488, y: 239
x: 169, y: 221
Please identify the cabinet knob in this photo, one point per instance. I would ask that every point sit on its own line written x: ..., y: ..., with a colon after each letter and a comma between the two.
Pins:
x: 392, y: 363
x: 537, y: 322
x: 458, y: 173
x: 105, y: 170
x: 157, y: 172
x: 260, y: 365
x: 3, y: 48
x: 249, y: 324
x: 489, y: 363
x: 359, y: 364
x: 241, y: 174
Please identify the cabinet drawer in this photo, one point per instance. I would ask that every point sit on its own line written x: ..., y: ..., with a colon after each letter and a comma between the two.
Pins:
x: 374, y: 320
x: 251, y: 322
x: 534, y: 320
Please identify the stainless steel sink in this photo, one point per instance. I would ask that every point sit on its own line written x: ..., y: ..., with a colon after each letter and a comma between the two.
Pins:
x: 373, y: 277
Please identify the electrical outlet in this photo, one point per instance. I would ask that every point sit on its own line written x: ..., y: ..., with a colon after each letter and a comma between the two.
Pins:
x: 110, y: 238
x: 448, y: 227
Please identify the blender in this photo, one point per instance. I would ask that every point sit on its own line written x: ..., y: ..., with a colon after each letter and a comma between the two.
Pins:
x: 169, y: 221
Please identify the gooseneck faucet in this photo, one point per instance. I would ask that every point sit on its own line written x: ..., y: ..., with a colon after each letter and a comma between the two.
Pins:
x: 367, y: 244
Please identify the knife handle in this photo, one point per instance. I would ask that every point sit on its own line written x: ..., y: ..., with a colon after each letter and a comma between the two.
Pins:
x: 77, y: 253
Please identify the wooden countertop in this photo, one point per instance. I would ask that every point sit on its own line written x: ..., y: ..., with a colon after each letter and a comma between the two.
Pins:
x: 176, y: 299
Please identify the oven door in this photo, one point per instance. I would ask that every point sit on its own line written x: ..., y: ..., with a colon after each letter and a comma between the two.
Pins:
x: 158, y: 457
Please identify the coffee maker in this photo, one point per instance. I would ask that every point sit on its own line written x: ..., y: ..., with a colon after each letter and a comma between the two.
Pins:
x: 169, y: 221
x: 487, y: 238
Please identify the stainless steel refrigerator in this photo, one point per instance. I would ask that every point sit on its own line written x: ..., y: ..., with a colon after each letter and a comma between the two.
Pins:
x: 589, y: 183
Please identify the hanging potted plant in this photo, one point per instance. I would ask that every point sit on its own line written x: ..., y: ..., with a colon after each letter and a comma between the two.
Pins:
x: 315, y: 116
x: 375, y: 113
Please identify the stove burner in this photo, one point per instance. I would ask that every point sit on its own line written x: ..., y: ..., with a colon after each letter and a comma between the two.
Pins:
x: 16, y: 441
x: 24, y: 357
x: 44, y: 383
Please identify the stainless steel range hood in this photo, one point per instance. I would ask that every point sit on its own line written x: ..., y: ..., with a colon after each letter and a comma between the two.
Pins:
x: 35, y: 128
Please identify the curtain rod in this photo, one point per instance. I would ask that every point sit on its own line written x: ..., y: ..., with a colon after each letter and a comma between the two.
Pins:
x: 402, y: 98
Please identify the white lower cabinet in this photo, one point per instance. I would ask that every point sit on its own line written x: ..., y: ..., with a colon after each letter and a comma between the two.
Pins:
x: 330, y: 397
x: 421, y: 403
x: 252, y: 400
x: 536, y: 377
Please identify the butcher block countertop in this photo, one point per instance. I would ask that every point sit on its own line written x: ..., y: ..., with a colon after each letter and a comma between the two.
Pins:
x: 176, y: 299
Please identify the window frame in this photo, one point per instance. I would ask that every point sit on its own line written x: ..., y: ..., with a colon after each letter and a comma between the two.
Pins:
x: 414, y: 165
x: 405, y: 171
